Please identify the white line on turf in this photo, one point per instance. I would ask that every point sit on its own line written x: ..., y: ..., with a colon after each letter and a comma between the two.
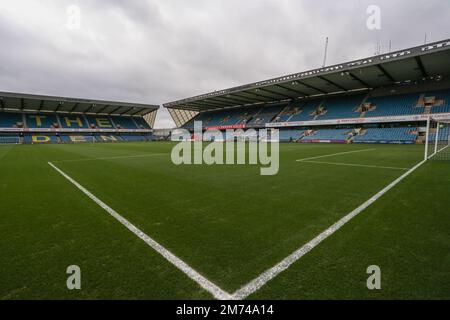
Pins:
x: 217, y: 292
x: 335, y: 154
x: 271, y: 273
x: 354, y: 165
x: 113, y: 158
x: 262, y: 279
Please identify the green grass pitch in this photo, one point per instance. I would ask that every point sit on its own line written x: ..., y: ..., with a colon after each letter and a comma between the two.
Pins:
x: 229, y: 223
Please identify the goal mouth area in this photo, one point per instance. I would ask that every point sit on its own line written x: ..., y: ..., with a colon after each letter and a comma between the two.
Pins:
x: 437, y: 139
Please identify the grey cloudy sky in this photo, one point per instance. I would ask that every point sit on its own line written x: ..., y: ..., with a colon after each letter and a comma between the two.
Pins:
x: 159, y: 51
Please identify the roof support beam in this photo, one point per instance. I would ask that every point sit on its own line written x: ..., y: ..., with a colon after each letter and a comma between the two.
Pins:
x: 242, y: 100
x: 115, y: 110
x: 277, y: 93
x: 217, y: 103
x: 359, y: 80
x: 174, y: 117
x: 333, y: 83
x: 311, y: 87
x: 421, y: 67
x: 91, y: 108
x: 135, y: 113
x: 259, y: 94
x: 127, y: 111
x: 292, y: 90
x: 103, y: 109
x: 205, y: 105
x: 255, y: 96
x: 22, y: 104
x: 387, y: 74
x: 41, y: 105
x: 58, y: 107
x: 74, y: 106
x: 183, y: 107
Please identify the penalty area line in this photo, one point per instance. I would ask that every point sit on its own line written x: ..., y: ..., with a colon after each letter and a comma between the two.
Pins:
x: 113, y: 158
x: 283, y: 265
x: 335, y: 154
x: 203, y: 282
x: 355, y: 165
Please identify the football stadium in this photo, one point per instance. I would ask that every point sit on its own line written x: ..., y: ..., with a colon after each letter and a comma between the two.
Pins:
x: 364, y: 179
x: 93, y: 205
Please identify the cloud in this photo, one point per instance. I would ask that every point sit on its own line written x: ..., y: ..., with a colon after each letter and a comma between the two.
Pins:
x: 159, y: 51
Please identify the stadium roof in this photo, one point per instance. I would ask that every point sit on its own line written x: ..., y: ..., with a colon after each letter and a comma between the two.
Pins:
x: 409, y: 65
x: 36, y: 103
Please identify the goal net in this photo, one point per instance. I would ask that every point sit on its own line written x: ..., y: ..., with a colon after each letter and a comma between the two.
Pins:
x: 9, y: 140
x: 438, y: 140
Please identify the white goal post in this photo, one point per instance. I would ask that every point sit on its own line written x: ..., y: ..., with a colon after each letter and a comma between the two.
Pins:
x: 437, y: 141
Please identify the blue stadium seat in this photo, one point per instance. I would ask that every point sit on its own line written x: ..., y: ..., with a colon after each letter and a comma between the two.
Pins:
x: 39, y: 138
x: 266, y: 115
x: 124, y: 123
x: 444, y: 134
x: 99, y: 122
x: 401, y: 135
x: 9, y: 139
x: 11, y: 120
x: 342, y: 107
x: 73, y: 121
x: 328, y: 134
x: 133, y: 138
x: 290, y: 135
x: 399, y: 105
x: 142, y: 124
x: 36, y: 121
x: 78, y: 138
x: 444, y: 96
x: 305, y: 111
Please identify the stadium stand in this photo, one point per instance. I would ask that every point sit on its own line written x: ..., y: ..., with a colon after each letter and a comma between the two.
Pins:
x: 398, y: 105
x: 329, y: 134
x: 291, y: 135
x: 381, y: 99
x: 342, y: 107
x: 99, y: 122
x: 51, y: 121
x: 266, y: 115
x: 355, y: 135
x: 9, y: 139
x: 77, y: 138
x: 11, y: 120
x: 389, y: 135
x: 304, y: 111
x: 35, y: 119
x: 132, y: 138
x: 124, y: 123
x: 436, y: 102
x: 40, y: 139
x: 141, y: 123
x: 444, y: 134
x: 73, y: 122
x: 345, y: 107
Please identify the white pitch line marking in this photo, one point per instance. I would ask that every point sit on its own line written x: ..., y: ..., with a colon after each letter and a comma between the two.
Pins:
x: 266, y: 276
x: 355, y: 165
x: 206, y: 284
x: 335, y: 154
x: 271, y: 273
x: 112, y: 158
